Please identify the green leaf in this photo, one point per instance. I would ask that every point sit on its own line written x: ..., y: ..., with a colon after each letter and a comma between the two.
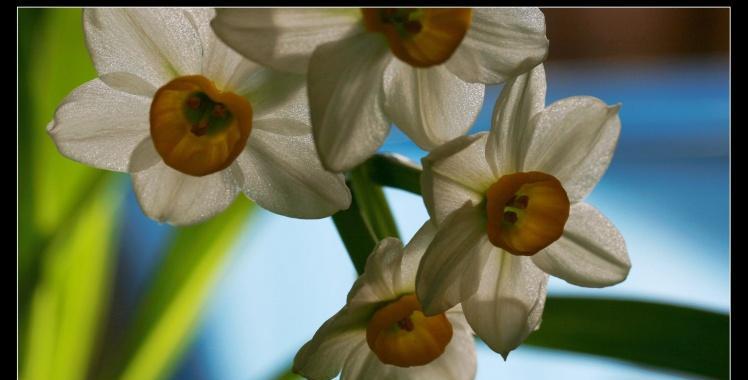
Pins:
x: 164, y: 322
x: 666, y: 336
x: 71, y: 296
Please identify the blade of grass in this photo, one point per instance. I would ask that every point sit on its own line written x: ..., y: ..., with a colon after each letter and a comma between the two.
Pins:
x: 71, y: 297
x: 165, y: 320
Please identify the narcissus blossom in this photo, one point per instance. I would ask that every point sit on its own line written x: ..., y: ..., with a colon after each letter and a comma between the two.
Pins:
x: 192, y: 121
x: 381, y: 332
x: 421, y: 69
x: 509, y: 206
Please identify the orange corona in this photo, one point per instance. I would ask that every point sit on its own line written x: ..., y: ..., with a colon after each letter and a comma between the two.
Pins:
x: 420, y: 37
x: 526, y: 212
x: 400, y: 334
x: 197, y: 129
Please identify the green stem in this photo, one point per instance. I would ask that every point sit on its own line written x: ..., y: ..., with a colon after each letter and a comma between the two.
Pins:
x: 358, y: 238
x: 393, y: 171
x: 373, y: 205
x: 368, y: 220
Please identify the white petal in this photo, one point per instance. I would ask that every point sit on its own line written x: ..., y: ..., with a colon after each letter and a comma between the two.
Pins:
x: 221, y: 64
x: 322, y: 357
x: 377, y: 283
x: 156, y: 44
x: 450, y: 269
x: 455, y: 173
x: 346, y: 97
x: 412, y: 255
x: 277, y: 95
x: 362, y: 363
x: 501, y: 43
x: 144, y: 156
x: 391, y: 270
x: 267, y: 90
x: 431, y: 106
x: 283, y: 173
x: 458, y: 362
x: 271, y: 94
x: 504, y: 310
x: 521, y: 98
x: 459, y: 359
x: 167, y: 195
x: 129, y: 83
x: 100, y: 126
x: 574, y: 140
x: 283, y: 39
x: 590, y: 253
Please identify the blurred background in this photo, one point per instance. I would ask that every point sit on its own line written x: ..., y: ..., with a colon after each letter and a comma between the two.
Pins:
x: 106, y: 293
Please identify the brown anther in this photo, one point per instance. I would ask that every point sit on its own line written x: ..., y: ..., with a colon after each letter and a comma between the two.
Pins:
x: 219, y: 110
x: 406, y: 324
x: 510, y: 217
x: 193, y: 102
x: 521, y: 202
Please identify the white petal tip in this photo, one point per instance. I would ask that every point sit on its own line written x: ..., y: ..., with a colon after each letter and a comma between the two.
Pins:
x: 615, y: 108
x: 505, y: 355
x: 346, y: 204
x: 620, y: 279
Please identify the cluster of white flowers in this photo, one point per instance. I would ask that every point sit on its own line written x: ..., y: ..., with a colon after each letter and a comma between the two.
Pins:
x: 200, y: 104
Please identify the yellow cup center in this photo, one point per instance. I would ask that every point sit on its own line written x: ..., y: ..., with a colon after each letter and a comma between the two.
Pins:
x: 526, y: 212
x: 400, y: 334
x: 421, y: 37
x: 197, y: 129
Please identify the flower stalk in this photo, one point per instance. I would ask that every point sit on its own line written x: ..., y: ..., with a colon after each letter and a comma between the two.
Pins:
x: 369, y: 218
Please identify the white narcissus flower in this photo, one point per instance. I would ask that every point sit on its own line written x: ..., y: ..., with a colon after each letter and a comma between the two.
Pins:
x: 421, y: 69
x: 192, y: 121
x: 381, y: 332
x: 509, y: 209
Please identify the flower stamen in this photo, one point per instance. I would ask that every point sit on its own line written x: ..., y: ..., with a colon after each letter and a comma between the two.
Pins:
x: 406, y: 324
x: 510, y: 217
